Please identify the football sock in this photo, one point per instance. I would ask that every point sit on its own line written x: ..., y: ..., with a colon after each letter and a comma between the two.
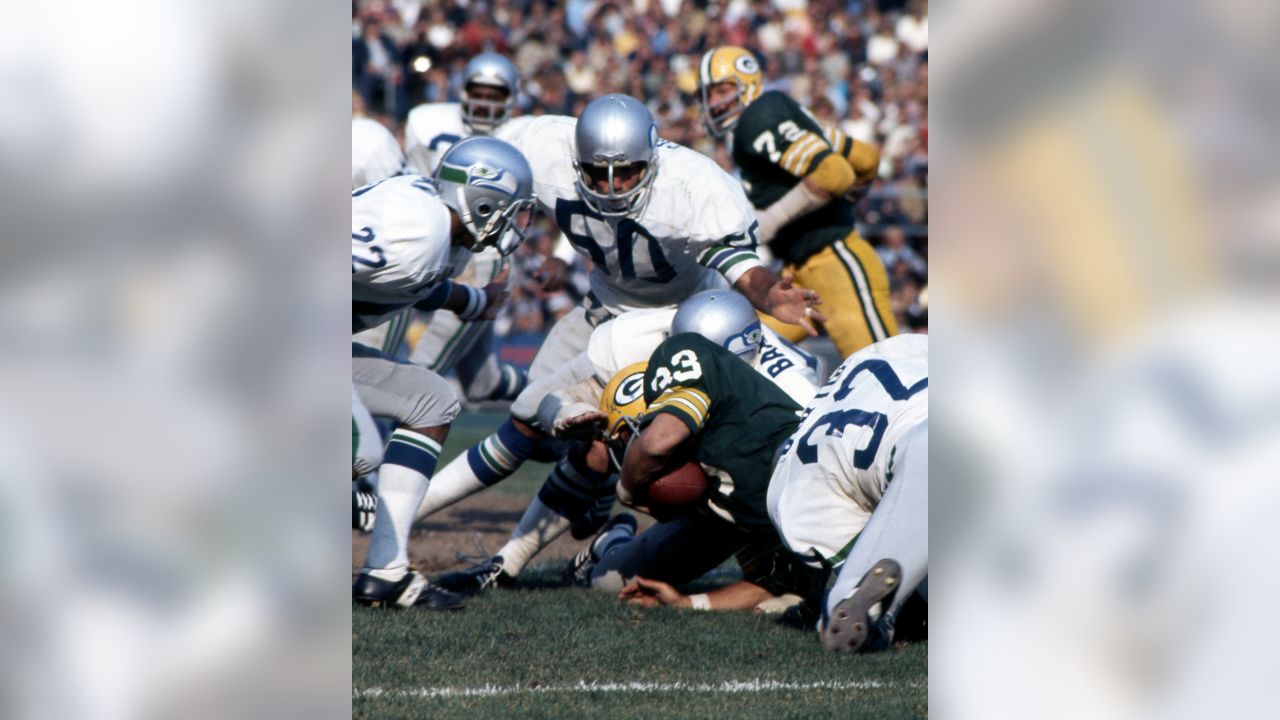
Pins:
x: 539, y: 526
x: 487, y: 463
x: 402, y: 483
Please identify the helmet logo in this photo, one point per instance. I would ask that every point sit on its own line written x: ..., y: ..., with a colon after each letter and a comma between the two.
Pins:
x: 480, y: 175
x: 748, y: 339
x: 746, y: 64
x: 629, y: 390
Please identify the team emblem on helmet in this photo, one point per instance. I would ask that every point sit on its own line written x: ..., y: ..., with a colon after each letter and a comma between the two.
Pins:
x: 623, y: 403
x: 489, y: 184
x: 728, y: 64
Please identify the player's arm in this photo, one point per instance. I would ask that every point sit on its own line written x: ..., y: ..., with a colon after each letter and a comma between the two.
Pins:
x: 864, y: 158
x: 780, y: 298
x: 783, y: 135
x: 734, y: 257
x: 741, y: 595
x: 465, y: 301
x: 649, y: 453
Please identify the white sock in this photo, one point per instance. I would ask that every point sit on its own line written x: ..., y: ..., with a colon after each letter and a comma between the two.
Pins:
x: 539, y: 526
x: 452, y: 483
x: 402, y: 483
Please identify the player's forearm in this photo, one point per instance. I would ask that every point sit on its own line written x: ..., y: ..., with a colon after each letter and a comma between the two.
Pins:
x: 808, y: 195
x: 741, y: 595
x: 650, y: 452
x: 463, y: 300
x: 755, y: 286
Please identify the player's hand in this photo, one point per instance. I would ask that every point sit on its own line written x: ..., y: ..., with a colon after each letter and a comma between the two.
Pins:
x: 552, y: 275
x: 795, y: 305
x: 496, y: 294
x: 580, y: 427
x: 652, y: 593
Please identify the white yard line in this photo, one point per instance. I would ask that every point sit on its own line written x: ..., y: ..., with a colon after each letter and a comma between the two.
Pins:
x: 731, y: 686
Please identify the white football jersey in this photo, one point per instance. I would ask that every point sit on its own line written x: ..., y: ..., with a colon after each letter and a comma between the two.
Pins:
x: 400, y: 247
x: 375, y: 154
x: 429, y: 131
x: 696, y: 232
x: 633, y: 336
x: 852, y: 425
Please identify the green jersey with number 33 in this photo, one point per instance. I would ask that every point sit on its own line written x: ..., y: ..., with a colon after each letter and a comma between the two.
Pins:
x: 738, y: 417
x: 770, y: 166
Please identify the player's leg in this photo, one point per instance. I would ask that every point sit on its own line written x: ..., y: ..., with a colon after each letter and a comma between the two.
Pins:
x: 366, y: 456
x: 851, y: 274
x: 519, y: 438
x: 484, y: 376
x: 577, y: 495
x: 423, y: 406
x: 889, y: 559
x: 674, y: 552
x: 366, y: 443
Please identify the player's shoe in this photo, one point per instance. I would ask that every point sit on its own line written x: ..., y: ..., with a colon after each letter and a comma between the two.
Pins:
x: 364, y: 505
x: 477, y: 578
x: 857, y: 622
x: 578, y: 572
x: 413, y: 590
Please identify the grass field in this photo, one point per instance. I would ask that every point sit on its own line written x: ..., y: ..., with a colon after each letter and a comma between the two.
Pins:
x: 545, y: 650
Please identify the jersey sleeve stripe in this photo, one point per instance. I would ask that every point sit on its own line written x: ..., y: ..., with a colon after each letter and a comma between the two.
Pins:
x: 694, y: 402
x: 714, y: 255
x: 805, y: 146
x: 702, y: 399
x: 804, y: 159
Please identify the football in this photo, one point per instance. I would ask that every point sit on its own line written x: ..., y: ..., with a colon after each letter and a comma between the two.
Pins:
x: 685, y: 485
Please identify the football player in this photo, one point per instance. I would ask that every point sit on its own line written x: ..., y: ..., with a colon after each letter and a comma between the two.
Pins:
x: 579, y: 493
x: 702, y: 401
x: 490, y: 87
x: 375, y: 154
x: 851, y: 490
x: 659, y: 222
x: 796, y: 173
x: 409, y: 235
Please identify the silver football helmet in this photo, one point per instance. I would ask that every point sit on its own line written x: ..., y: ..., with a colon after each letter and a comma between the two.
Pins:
x: 485, y: 71
x: 489, y: 184
x: 615, y: 140
x: 724, y: 317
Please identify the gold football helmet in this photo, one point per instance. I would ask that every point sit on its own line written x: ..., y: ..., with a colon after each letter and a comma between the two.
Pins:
x: 727, y: 64
x: 623, y: 402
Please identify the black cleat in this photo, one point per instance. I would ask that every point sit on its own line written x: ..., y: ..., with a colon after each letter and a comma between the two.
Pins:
x: 851, y: 627
x: 477, y: 578
x: 413, y: 590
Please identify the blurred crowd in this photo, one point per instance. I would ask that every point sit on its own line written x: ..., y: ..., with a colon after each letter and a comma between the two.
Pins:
x: 859, y: 65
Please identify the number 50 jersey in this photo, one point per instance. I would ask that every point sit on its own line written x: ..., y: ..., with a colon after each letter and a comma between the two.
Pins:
x: 696, y: 232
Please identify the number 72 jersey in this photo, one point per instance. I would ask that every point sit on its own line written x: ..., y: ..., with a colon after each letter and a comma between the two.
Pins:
x: 851, y: 426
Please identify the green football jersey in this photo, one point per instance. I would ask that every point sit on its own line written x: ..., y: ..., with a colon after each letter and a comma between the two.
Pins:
x: 775, y: 143
x: 738, y: 416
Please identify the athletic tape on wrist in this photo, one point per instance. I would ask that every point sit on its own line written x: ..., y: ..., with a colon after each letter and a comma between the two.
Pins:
x: 700, y: 601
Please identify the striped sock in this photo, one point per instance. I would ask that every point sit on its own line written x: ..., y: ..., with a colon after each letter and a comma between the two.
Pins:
x: 406, y: 471
x: 500, y: 454
x: 512, y: 383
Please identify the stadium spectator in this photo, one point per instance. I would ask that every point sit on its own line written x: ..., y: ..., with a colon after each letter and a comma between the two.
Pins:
x: 861, y: 66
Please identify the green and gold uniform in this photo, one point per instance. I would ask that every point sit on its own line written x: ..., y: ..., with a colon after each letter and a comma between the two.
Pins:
x: 739, y: 419
x: 776, y: 144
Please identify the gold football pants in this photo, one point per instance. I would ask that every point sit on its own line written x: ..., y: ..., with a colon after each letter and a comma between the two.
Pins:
x: 855, y: 295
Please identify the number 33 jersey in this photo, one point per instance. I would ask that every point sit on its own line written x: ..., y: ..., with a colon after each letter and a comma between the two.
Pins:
x: 696, y: 231
x: 738, y: 416
x: 850, y: 428
x: 400, y: 247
